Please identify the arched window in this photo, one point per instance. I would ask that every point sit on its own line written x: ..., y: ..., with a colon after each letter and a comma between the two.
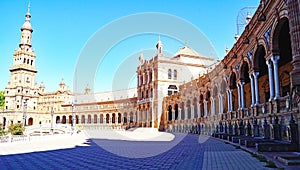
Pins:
x: 169, y: 74
x: 175, y: 75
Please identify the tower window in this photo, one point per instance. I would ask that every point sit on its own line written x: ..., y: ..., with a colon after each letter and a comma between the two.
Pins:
x: 169, y: 74
x: 175, y: 74
x: 31, y: 62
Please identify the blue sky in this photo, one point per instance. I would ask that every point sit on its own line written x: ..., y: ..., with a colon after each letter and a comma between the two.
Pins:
x: 63, y: 27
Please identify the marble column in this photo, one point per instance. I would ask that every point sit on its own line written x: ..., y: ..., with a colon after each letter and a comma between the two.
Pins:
x: 185, y: 113
x: 205, y: 108
x: 242, y: 94
x: 221, y: 104
x: 276, y: 75
x: 271, y: 81
x: 192, y: 112
x: 179, y: 114
x: 239, y: 96
x: 173, y: 114
x: 230, y: 99
x: 198, y: 110
x: 252, y: 91
x: 255, y: 75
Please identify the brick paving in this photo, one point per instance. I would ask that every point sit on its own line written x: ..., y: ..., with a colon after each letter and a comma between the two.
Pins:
x: 187, y: 154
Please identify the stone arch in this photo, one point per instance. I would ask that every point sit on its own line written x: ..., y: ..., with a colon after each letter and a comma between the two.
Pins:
x: 57, y: 120
x: 131, y: 117
x: 95, y: 118
x: 119, y: 117
x: 30, y: 121
x: 201, y: 100
x: 182, y: 110
x: 101, y: 118
x: 64, y: 119
x: 70, y: 119
x: 89, y: 120
x: 83, y: 119
x: 195, y: 104
x: 233, y: 87
x: 244, y: 72
x: 107, y: 117
x: 232, y: 80
x: 125, y: 117
x: 276, y: 28
x: 176, y: 111
x: 169, y: 113
x: 188, y: 105
x: 113, y: 118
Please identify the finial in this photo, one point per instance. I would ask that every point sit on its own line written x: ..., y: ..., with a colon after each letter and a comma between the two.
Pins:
x: 186, y: 44
x: 226, y: 50
x: 158, y: 37
x: 28, y: 10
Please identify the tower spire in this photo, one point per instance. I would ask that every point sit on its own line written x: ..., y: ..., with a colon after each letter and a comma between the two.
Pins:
x: 28, y: 8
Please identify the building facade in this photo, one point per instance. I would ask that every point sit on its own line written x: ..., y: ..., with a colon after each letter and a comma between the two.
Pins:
x: 254, y: 90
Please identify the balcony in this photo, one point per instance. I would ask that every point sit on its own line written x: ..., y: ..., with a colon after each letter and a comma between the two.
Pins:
x: 144, y: 101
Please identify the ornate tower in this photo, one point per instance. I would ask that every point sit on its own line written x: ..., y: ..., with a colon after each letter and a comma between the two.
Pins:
x: 21, y: 90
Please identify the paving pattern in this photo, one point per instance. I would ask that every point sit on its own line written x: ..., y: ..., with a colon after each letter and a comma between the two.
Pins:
x: 187, y: 154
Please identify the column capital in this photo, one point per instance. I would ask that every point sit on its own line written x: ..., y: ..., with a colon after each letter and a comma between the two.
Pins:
x: 269, y: 63
x: 275, y: 58
x: 255, y: 74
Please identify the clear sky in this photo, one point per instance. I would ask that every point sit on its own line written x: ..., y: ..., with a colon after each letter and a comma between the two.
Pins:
x: 63, y: 27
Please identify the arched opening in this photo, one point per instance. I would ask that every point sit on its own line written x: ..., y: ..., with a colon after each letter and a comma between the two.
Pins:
x: 125, y: 117
x: 119, y: 117
x: 77, y: 119
x: 64, y: 120
x: 89, y: 121
x: 224, y: 97
x: 107, y: 118
x: 233, y: 87
x: 247, y: 86
x: 201, y: 105
x: 282, y: 41
x: 207, y: 98
x: 216, y: 100
x: 113, y: 118
x: 70, y: 119
x: 195, y: 108
x: 169, y: 113
x: 30, y: 121
x: 176, y: 111
x: 95, y: 118
x: 260, y: 65
x: 82, y: 119
x: 4, y: 122
x: 182, y: 111
x: 188, y: 105
x: 57, y: 119
x: 131, y: 117
x: 101, y: 118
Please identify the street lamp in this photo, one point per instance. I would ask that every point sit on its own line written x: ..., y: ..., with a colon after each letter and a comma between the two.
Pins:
x: 24, y: 111
x: 52, y: 113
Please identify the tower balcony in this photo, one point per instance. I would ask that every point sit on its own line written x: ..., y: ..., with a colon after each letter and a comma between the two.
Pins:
x: 23, y: 67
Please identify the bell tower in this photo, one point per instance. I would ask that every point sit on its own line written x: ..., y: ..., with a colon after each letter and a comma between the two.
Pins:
x: 22, y: 90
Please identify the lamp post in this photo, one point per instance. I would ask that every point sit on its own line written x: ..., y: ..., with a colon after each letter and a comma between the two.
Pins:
x: 52, y: 113
x: 24, y: 111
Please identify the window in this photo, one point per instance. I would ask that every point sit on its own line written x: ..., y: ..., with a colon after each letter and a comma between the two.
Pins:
x: 169, y: 74
x: 175, y: 74
x: 172, y: 89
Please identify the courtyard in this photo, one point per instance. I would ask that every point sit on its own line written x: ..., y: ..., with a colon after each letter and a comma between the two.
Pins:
x: 88, y: 150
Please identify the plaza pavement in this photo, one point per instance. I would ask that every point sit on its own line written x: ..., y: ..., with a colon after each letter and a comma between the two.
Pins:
x: 86, y: 150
